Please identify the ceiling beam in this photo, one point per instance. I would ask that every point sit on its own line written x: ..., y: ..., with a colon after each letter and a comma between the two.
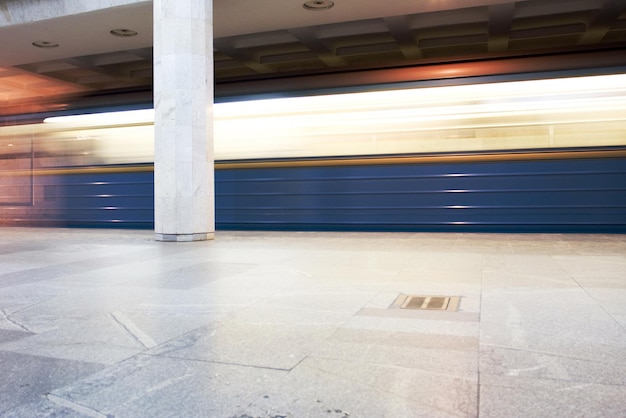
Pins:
x: 401, y: 32
x: 601, y: 21
x: 62, y: 83
x: 500, y: 22
x: 225, y: 47
x: 306, y: 36
x: 87, y: 64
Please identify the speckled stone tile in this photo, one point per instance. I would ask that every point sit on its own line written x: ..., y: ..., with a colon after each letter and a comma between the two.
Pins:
x: 106, y: 323
x: 149, y: 386
x: 27, y: 378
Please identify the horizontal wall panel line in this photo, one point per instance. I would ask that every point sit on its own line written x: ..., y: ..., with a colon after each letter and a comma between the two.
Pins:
x: 288, y: 179
x: 338, y: 224
x: 132, y: 168
x: 102, y: 184
x: 108, y: 196
x: 442, y: 207
x: 109, y: 183
x: 106, y: 208
x: 424, y: 159
x: 413, y: 192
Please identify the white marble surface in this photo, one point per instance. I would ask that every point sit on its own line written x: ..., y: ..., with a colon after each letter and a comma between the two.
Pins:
x: 97, y: 323
x: 14, y: 12
x: 183, y: 100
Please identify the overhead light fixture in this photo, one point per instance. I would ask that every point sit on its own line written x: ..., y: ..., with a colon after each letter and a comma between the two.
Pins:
x: 108, y: 118
x: 123, y: 33
x: 316, y: 5
x: 44, y: 44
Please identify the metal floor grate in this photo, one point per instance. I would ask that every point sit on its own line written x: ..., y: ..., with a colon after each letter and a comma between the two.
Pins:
x: 425, y: 302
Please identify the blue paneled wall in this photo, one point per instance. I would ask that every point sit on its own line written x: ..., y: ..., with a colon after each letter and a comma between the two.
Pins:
x: 570, y: 195
x: 560, y: 195
x: 119, y: 199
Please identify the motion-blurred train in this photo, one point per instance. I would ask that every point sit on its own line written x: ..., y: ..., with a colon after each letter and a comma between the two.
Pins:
x: 496, y: 155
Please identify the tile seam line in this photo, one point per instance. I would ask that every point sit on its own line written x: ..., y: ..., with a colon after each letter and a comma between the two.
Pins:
x: 381, y: 290
x: 133, y: 330
x: 376, y: 388
x: 75, y: 406
x: 545, y: 353
x: 29, y: 306
x: 622, y: 326
x: 13, y: 278
x: 480, y: 322
x: 390, y: 366
x: 219, y: 323
x: 277, y: 385
x: 577, y: 382
x: 350, y: 315
x: 12, y: 321
x: 252, y: 366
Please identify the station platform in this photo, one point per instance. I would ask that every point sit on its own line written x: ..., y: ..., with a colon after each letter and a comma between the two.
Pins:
x: 111, y: 323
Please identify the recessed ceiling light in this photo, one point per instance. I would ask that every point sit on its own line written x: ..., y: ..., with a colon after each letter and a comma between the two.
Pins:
x: 316, y: 5
x: 44, y: 44
x: 124, y: 33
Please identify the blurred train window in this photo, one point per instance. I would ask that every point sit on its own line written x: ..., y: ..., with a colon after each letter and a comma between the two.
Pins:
x: 535, y: 114
x: 97, y: 139
x: 554, y: 113
x: 16, y: 183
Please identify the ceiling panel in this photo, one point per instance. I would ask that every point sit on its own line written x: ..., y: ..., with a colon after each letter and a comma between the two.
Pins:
x: 278, y: 38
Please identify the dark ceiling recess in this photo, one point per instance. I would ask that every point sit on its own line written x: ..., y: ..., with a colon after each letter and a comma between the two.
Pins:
x: 483, y: 34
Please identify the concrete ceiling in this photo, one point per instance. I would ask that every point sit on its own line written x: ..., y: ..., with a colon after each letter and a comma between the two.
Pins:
x: 278, y: 38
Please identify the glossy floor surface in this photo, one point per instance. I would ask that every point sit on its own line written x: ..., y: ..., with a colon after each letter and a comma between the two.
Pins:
x: 103, y: 323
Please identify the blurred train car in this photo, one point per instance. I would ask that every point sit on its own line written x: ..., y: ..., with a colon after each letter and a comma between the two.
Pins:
x: 530, y: 155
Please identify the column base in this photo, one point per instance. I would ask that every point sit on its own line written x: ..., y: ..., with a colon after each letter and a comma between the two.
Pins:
x: 185, y: 237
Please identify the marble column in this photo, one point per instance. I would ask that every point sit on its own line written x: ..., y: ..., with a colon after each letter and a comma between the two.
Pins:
x: 183, y: 102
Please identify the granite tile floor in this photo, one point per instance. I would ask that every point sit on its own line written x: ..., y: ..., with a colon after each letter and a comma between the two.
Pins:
x: 110, y: 323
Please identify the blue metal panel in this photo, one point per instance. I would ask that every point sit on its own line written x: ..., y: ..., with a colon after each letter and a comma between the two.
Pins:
x: 569, y: 195
x: 577, y: 195
x: 106, y: 199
